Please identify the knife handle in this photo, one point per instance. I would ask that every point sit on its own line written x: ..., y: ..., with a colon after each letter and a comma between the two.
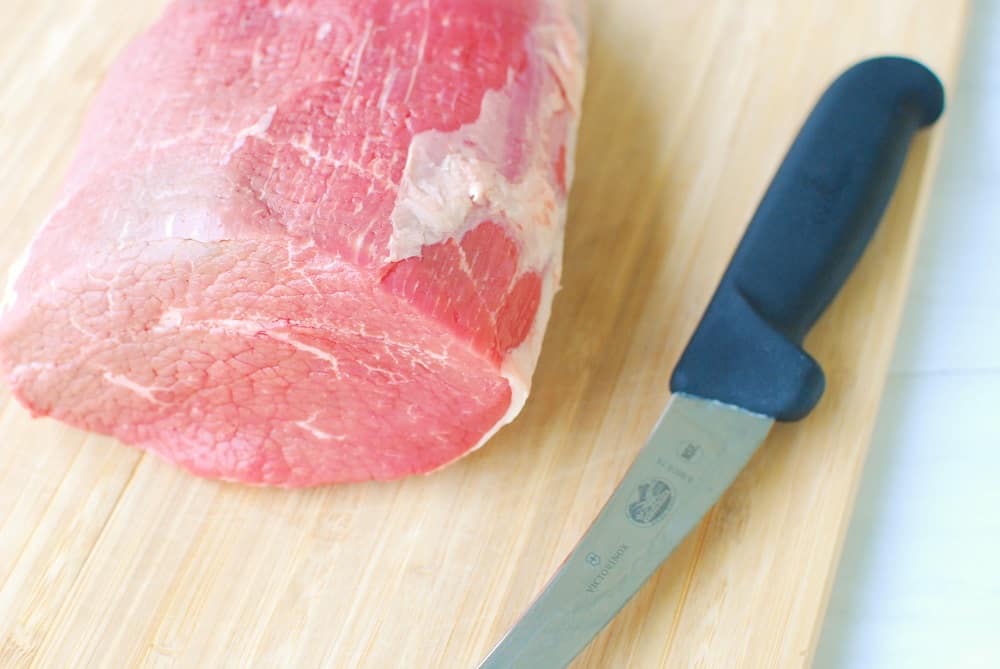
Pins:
x: 808, y: 233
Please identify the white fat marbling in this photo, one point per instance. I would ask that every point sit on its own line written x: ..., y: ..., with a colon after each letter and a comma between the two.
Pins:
x: 452, y: 181
x: 258, y: 129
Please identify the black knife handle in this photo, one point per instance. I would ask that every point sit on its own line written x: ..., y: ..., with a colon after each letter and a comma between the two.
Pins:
x: 812, y: 226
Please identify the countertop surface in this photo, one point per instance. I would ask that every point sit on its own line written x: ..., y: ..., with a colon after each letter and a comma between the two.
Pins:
x: 919, y: 583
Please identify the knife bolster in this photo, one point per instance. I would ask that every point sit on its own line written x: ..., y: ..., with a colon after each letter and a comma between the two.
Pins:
x: 738, y: 358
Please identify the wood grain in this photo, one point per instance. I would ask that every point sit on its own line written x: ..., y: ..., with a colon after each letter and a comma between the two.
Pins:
x: 109, y: 558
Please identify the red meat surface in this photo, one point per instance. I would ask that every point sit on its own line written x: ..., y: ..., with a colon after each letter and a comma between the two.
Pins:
x: 307, y: 241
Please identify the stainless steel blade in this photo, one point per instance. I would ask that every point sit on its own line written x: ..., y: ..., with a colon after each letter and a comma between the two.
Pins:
x: 693, y: 455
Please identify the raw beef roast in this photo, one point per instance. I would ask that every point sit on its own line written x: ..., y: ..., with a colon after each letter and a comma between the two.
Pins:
x: 307, y: 241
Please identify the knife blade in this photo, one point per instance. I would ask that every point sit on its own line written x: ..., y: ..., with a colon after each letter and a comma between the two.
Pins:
x: 744, y: 367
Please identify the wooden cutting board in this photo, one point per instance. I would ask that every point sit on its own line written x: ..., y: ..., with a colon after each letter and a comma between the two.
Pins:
x: 109, y: 558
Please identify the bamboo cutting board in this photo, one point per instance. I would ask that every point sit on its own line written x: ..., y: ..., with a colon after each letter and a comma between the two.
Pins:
x: 109, y: 558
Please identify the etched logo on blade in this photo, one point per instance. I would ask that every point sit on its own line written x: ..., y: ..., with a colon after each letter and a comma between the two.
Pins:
x: 690, y: 452
x: 650, y: 502
x: 594, y: 560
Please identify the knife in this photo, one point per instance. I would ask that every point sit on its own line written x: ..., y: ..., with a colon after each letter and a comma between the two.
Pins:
x: 744, y: 367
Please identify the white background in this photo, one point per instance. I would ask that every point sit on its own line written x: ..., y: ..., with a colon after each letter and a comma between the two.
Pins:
x: 919, y: 582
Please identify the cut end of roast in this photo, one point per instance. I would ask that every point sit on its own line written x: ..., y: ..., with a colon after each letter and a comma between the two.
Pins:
x: 200, y: 354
